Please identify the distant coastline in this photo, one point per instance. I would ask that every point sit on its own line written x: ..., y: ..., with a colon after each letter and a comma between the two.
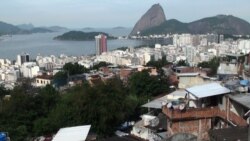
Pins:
x: 81, y: 36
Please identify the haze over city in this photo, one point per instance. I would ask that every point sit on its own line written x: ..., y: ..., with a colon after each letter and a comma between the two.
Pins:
x: 111, y: 13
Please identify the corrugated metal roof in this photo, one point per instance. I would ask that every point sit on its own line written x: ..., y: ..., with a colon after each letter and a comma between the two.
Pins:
x: 77, y: 133
x: 207, y: 90
x: 188, y: 74
x: 243, y: 99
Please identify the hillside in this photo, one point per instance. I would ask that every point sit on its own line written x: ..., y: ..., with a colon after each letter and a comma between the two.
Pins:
x: 81, y: 36
x: 39, y: 30
x: 153, y: 17
x: 221, y: 24
x: 6, y: 28
x: 25, y: 26
x: 56, y: 28
x: 170, y: 26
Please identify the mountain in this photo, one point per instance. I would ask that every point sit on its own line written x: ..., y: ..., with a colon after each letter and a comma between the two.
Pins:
x: 81, y: 36
x: 39, y: 30
x: 56, y: 28
x: 6, y: 28
x: 88, y: 28
x: 221, y: 24
x: 119, y: 27
x: 170, y: 26
x: 26, y: 26
x: 153, y: 17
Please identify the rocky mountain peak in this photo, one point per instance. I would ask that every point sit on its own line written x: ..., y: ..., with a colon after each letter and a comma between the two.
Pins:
x: 153, y: 17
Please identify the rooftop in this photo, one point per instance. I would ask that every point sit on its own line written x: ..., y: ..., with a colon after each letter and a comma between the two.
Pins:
x: 157, y: 103
x: 77, y: 133
x: 229, y: 134
x: 45, y: 77
x: 243, y: 99
x: 207, y: 90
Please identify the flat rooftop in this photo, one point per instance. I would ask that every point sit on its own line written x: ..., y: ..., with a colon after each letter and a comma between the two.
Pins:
x: 243, y: 99
x: 229, y: 134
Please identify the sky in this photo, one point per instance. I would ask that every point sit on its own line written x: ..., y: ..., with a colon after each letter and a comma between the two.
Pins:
x: 112, y: 13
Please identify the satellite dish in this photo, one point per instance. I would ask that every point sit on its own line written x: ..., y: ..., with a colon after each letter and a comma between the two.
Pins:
x: 163, y: 103
x: 248, y: 120
x: 169, y: 105
x: 182, y: 106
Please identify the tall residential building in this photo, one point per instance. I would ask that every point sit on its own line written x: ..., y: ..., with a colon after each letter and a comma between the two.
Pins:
x: 23, y: 58
x: 101, y: 44
x: 190, y: 53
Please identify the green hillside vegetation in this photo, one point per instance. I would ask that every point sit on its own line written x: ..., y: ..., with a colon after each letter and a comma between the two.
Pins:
x: 170, y: 26
x: 39, y: 30
x: 33, y: 112
x: 9, y: 29
x: 81, y: 36
x: 6, y: 28
x: 105, y: 107
x: 221, y: 24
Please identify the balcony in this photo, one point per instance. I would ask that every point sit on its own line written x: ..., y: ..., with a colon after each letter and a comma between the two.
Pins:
x: 200, y: 113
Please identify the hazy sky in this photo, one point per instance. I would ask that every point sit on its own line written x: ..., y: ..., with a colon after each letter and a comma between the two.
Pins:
x: 111, y: 13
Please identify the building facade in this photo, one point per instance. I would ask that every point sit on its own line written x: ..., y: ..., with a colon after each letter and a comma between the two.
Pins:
x: 101, y: 44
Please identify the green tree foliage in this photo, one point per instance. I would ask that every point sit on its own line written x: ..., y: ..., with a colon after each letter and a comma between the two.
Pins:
x: 204, y: 64
x: 60, y: 78
x: 100, y: 64
x: 22, y: 110
x: 141, y: 83
x: 213, y: 64
x: 81, y: 36
x: 3, y: 92
x: 182, y: 63
x: 158, y: 64
x: 75, y: 68
x: 104, y: 106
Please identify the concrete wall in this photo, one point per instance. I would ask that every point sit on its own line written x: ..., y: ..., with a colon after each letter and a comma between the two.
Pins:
x: 182, y: 137
x: 198, y: 128
x: 187, y: 81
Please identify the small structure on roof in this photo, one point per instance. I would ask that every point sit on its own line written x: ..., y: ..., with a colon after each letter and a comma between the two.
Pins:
x: 159, y: 102
x: 77, y: 133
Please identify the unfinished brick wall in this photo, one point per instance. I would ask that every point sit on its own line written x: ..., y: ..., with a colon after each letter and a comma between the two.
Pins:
x: 198, y: 127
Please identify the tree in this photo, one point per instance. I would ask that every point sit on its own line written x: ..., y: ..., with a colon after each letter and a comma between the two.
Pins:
x: 182, y: 63
x: 3, y: 91
x: 100, y: 64
x: 22, y: 112
x: 104, y: 107
x: 158, y: 64
x: 141, y: 83
x: 204, y: 64
x: 75, y: 68
x: 213, y: 64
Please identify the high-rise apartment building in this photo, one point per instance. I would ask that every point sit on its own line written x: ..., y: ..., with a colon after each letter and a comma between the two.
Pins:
x: 101, y: 44
x: 24, y: 57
